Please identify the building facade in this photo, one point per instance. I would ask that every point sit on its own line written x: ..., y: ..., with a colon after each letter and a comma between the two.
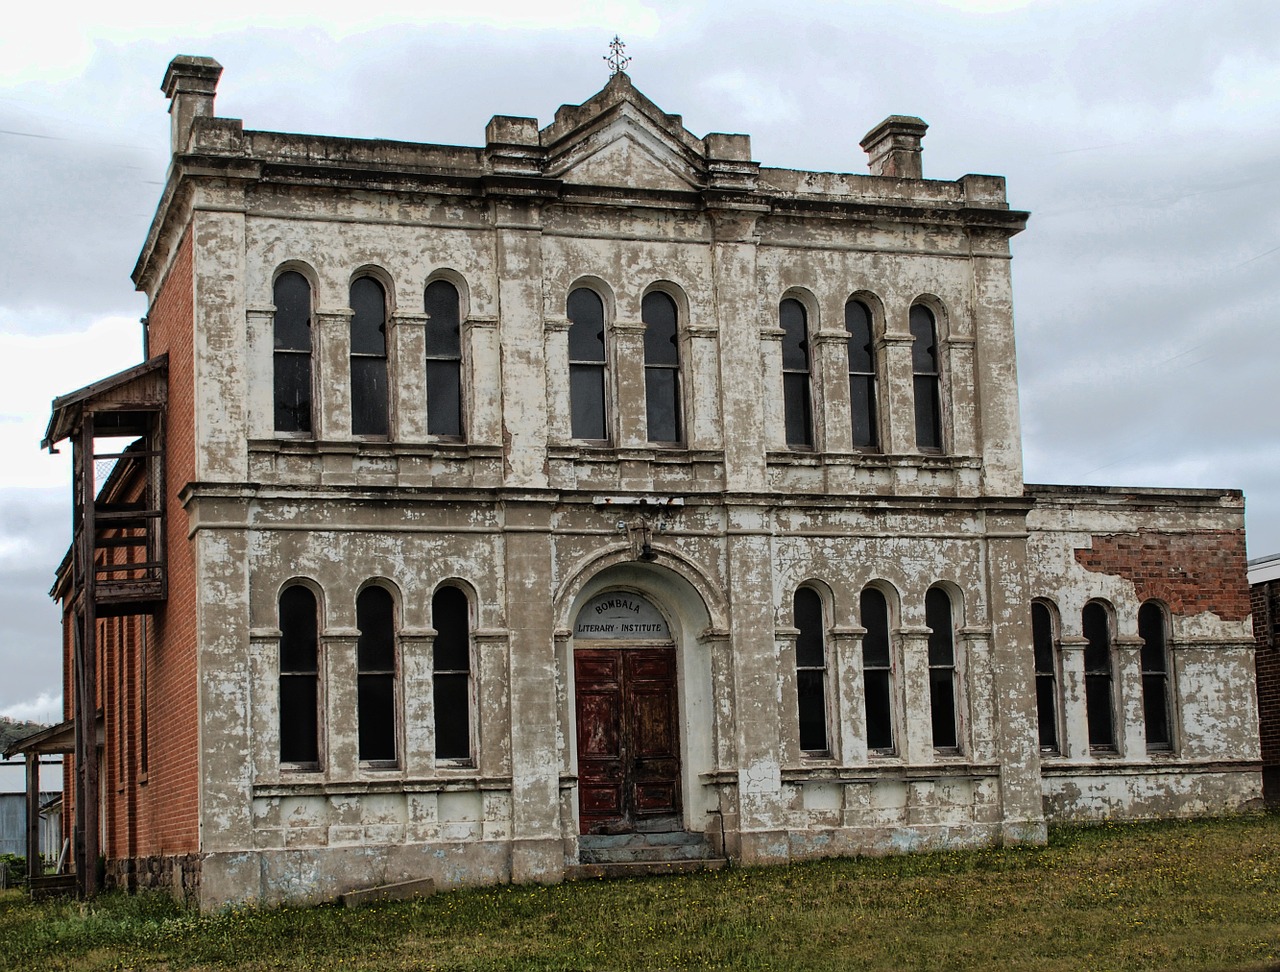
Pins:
x: 1264, y: 590
x: 601, y: 482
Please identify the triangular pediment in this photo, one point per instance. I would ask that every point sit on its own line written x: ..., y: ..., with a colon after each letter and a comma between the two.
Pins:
x: 621, y: 138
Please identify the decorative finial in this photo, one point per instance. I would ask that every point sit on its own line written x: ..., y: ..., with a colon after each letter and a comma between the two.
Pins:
x: 617, y: 60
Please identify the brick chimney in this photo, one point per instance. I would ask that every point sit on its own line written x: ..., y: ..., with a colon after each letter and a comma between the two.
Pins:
x: 893, y: 147
x: 189, y: 84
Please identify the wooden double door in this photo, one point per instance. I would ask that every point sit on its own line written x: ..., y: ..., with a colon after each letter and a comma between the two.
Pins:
x: 628, y: 739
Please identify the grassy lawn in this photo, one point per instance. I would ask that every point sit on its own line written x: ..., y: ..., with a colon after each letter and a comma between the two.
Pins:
x: 1179, y: 895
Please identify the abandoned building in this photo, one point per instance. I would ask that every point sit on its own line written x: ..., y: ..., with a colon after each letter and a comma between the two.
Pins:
x: 600, y: 494
x: 1264, y: 591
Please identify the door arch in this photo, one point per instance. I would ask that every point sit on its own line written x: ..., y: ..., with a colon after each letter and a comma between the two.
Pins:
x: 627, y: 716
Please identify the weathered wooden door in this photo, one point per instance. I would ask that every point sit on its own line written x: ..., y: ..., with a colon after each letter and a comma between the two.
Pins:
x: 628, y: 743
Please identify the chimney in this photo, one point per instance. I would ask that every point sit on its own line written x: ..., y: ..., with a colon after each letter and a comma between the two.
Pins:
x: 893, y: 147
x: 189, y: 84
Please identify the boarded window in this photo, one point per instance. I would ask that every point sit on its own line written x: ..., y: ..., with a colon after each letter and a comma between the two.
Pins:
x: 299, y: 677
x: 661, y: 367
x: 796, y: 406
x: 368, y: 357
x: 862, y: 376
x: 444, y: 359
x: 942, y: 668
x: 1046, y: 676
x: 1097, y: 676
x: 451, y: 673
x: 1152, y: 629
x: 376, y: 675
x: 877, y: 671
x: 588, y: 417
x: 811, y: 671
x: 925, y: 379
x: 292, y: 356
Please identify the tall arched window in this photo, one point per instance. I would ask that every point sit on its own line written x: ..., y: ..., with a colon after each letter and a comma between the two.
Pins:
x: 1046, y: 675
x: 1096, y: 625
x: 376, y: 675
x: 299, y: 677
x: 811, y: 671
x: 661, y: 367
x: 862, y: 376
x: 292, y: 357
x: 1153, y: 630
x: 444, y: 359
x: 587, y: 366
x: 877, y: 671
x: 451, y: 673
x: 926, y: 379
x: 368, y: 357
x: 796, y: 405
x: 942, y: 668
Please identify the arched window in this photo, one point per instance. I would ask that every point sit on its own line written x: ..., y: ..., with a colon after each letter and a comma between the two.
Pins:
x: 926, y: 383
x: 292, y: 357
x: 661, y: 367
x: 811, y: 671
x: 376, y: 675
x: 1152, y: 629
x: 796, y: 406
x: 877, y: 671
x: 299, y: 677
x: 1097, y: 676
x: 862, y: 376
x: 942, y: 668
x: 444, y: 359
x: 588, y: 417
x: 451, y: 673
x: 1043, y: 639
x: 368, y: 357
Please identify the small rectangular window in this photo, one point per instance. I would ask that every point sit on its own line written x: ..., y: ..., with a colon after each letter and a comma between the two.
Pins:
x: 1046, y: 677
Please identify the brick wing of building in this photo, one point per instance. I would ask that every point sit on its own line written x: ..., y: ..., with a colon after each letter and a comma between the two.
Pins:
x: 600, y: 494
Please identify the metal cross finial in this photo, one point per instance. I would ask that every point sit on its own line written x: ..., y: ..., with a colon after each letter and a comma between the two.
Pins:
x: 617, y: 60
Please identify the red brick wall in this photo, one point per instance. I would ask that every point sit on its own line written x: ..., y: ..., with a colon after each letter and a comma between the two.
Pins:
x: 1267, y: 662
x: 1191, y: 572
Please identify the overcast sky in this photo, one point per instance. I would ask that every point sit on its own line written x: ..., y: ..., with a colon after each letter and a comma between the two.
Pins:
x: 1143, y: 137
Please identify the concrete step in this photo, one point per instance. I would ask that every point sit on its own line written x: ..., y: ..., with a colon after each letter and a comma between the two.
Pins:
x: 632, y: 869
x: 642, y: 848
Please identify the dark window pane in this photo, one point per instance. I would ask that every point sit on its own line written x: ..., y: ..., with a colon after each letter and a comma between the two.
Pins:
x: 1097, y: 681
x: 586, y: 397
x: 586, y: 332
x: 298, y: 640
x: 1155, y: 710
x: 1042, y: 637
x: 450, y: 616
x: 875, y: 618
x: 811, y: 701
x: 369, y: 396
x: 810, y: 652
x: 1151, y: 630
x: 928, y: 412
x: 1097, y: 631
x: 795, y: 337
x: 662, y: 404
x: 658, y: 311
x: 857, y: 321
x: 879, y: 709
x: 377, y: 722
x: 444, y: 325
x: 1155, y: 679
x: 795, y: 392
x: 924, y: 350
x: 1047, y: 711
x: 292, y: 392
x: 444, y: 398
x: 1097, y: 691
x: 942, y: 705
x: 451, y: 694
x: 299, y: 719
x: 369, y: 322
x: 937, y: 615
x: 862, y: 410
x: 293, y: 312
x: 376, y: 649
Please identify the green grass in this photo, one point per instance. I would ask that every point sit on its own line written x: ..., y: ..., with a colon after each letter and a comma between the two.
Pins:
x: 1173, y: 895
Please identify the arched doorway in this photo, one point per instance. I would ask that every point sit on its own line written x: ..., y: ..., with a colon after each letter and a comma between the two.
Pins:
x: 624, y: 664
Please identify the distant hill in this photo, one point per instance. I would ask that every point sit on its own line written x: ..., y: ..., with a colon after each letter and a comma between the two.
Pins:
x: 11, y: 730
